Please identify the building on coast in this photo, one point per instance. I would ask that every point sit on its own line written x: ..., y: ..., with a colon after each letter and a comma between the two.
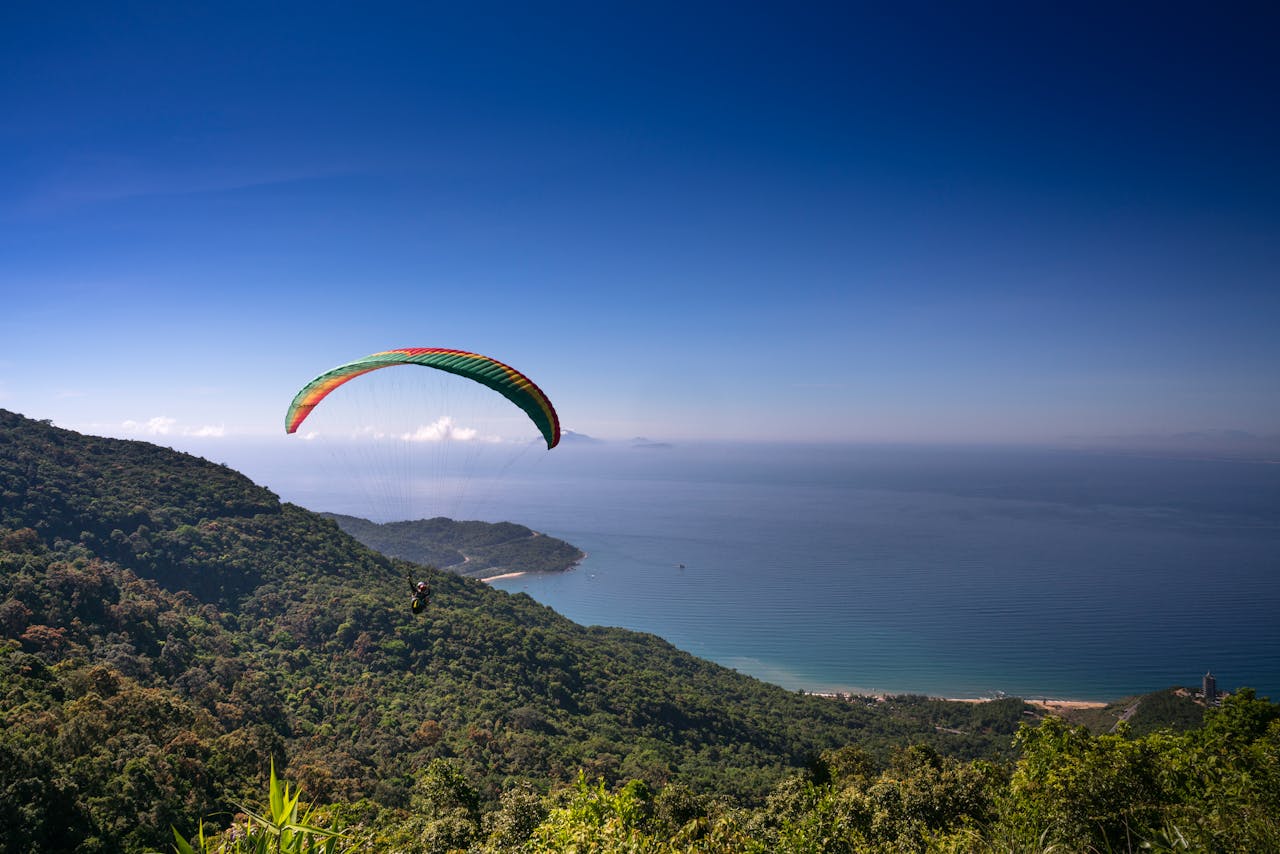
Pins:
x: 1209, y: 687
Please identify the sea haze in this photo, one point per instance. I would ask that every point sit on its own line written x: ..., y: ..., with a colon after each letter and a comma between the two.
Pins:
x: 955, y: 572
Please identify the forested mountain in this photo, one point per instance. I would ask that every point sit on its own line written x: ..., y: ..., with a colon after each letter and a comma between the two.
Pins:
x: 170, y: 630
x: 473, y: 549
x: 233, y: 629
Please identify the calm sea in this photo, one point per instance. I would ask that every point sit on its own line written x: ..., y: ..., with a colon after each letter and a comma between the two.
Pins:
x: 950, y: 572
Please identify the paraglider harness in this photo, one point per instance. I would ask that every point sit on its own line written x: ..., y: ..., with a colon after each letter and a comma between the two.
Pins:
x: 421, y: 595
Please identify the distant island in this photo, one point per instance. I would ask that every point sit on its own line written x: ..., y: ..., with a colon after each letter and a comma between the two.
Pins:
x: 482, y: 550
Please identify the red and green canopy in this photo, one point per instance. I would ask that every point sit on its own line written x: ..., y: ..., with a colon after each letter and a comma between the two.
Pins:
x: 504, y: 379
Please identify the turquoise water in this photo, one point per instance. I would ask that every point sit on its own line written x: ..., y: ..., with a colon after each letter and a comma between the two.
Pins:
x: 955, y: 572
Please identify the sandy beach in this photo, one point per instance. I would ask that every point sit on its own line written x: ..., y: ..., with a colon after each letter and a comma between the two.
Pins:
x: 504, y: 575
x: 1060, y: 705
x: 1044, y: 703
x: 1049, y: 705
x: 572, y: 567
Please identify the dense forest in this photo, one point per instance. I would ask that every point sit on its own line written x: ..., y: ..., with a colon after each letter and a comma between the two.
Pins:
x: 172, y: 632
x: 473, y: 549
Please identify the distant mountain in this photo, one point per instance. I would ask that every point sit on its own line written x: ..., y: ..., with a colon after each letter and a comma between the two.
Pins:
x: 473, y: 549
x: 572, y: 438
x: 649, y: 444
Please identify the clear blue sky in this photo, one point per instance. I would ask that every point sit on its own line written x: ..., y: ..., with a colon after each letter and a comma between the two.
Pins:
x: 922, y: 222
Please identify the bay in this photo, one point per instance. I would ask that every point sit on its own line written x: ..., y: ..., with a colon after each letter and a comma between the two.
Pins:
x: 958, y: 572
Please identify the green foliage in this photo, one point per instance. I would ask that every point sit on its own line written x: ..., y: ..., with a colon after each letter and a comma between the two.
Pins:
x: 1090, y: 788
x: 590, y: 818
x: 1208, y: 790
x: 280, y: 831
x: 1173, y: 708
x: 520, y: 811
x: 445, y: 809
x: 1217, y: 788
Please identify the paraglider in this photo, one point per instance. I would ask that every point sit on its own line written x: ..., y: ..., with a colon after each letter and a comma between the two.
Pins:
x: 421, y: 596
x: 487, y: 372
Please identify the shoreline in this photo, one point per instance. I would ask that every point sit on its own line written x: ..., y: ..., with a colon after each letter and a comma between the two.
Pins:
x: 1049, y: 704
x: 504, y: 575
x: 1043, y: 702
x: 521, y: 572
x: 1055, y: 705
x: 1046, y: 703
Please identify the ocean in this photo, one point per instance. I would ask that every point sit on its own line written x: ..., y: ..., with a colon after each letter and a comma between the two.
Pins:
x: 956, y: 572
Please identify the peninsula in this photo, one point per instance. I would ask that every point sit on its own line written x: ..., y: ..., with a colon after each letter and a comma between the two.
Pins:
x: 482, y: 550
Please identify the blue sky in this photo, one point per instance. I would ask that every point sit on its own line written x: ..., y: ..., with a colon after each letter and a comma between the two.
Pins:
x: 898, y: 222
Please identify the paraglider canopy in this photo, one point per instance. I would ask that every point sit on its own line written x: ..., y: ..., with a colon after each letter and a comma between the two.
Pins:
x: 504, y: 379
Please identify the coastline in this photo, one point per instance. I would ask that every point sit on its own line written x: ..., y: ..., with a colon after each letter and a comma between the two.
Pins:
x: 1046, y: 703
x: 1058, y: 705
x: 521, y: 572
x: 504, y: 575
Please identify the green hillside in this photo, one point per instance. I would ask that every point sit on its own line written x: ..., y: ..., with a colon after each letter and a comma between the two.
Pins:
x: 130, y: 570
x: 1172, y: 708
x: 473, y: 549
x: 169, y: 630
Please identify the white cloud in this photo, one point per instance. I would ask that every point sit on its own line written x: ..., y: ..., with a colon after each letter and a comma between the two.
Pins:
x: 163, y: 425
x: 365, y: 432
x: 441, y: 430
x: 158, y: 426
